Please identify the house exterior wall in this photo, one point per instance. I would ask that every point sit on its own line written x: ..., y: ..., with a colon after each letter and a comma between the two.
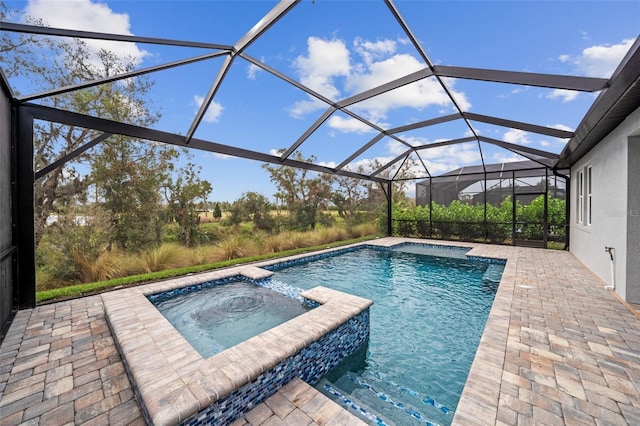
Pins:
x: 633, y: 220
x: 612, y: 182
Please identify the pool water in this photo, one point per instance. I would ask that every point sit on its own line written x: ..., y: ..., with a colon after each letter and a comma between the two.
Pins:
x: 215, y: 318
x: 426, y: 322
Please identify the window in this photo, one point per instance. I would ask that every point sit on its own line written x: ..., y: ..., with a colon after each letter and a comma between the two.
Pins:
x: 588, y: 185
x: 580, y: 206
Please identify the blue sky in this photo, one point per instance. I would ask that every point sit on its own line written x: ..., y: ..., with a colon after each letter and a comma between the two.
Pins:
x: 340, y: 48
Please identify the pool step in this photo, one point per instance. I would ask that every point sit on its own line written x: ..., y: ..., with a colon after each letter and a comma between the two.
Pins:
x: 385, y: 403
x: 493, y: 274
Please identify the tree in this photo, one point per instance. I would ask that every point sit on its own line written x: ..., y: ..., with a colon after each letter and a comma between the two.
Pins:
x: 349, y: 195
x: 182, y: 193
x: 217, y: 212
x: 124, y: 175
x: 376, y: 197
x: 16, y: 49
x: 127, y: 177
x: 302, y: 193
x: 252, y: 207
x: 56, y: 62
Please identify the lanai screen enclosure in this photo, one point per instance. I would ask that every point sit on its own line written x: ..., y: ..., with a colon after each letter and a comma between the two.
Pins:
x: 417, y: 134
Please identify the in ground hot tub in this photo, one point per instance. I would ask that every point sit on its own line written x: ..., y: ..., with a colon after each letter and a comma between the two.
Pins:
x: 215, y: 318
x: 177, y: 385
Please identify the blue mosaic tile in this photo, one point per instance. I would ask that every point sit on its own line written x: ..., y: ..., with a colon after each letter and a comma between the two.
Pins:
x: 282, y: 288
x: 494, y: 260
x: 439, y: 246
x: 314, y: 257
x: 274, y: 267
x: 310, y: 364
x: 169, y: 294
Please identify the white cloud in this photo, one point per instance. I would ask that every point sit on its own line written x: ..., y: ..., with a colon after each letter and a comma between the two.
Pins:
x: 565, y: 95
x: 414, y: 140
x: 325, y: 60
x: 556, y: 142
x: 330, y: 164
x: 438, y: 160
x: 503, y: 158
x: 252, y: 70
x: 561, y: 127
x: 396, y: 148
x: 419, y: 95
x: 463, y: 153
x: 516, y: 136
x: 515, y: 91
x: 213, y: 112
x: 369, y: 165
x: 600, y: 60
x: 329, y: 69
x: 446, y: 158
x: 348, y: 125
x: 301, y: 108
x: 88, y: 16
x: 372, y: 50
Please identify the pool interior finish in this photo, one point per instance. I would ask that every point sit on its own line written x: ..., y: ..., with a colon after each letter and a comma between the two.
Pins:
x: 216, y: 318
x: 430, y: 308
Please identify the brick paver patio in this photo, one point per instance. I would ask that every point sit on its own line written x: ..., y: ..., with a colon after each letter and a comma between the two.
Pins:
x: 59, y: 365
x: 558, y: 349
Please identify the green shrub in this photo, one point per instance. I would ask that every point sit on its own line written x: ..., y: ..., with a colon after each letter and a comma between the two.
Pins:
x: 465, y: 221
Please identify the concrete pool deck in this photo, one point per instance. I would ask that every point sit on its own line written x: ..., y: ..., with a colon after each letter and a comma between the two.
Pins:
x: 558, y: 348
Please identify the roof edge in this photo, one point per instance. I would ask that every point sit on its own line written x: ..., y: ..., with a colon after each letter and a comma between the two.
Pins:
x: 611, y: 108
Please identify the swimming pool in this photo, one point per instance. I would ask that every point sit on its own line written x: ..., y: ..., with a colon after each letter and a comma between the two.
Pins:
x: 430, y: 308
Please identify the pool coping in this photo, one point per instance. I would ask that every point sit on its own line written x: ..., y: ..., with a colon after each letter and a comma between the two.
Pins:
x: 171, y: 378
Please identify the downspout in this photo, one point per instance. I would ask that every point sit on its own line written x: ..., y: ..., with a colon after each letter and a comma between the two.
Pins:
x: 611, y: 250
x: 567, y: 206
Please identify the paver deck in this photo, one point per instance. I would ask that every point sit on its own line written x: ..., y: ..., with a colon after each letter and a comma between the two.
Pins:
x: 558, y: 348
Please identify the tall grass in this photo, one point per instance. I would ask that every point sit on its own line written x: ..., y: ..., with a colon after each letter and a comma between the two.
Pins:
x: 363, y: 229
x: 201, y: 255
x: 114, y: 264
x: 162, y: 257
x: 232, y: 247
x: 102, y: 268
